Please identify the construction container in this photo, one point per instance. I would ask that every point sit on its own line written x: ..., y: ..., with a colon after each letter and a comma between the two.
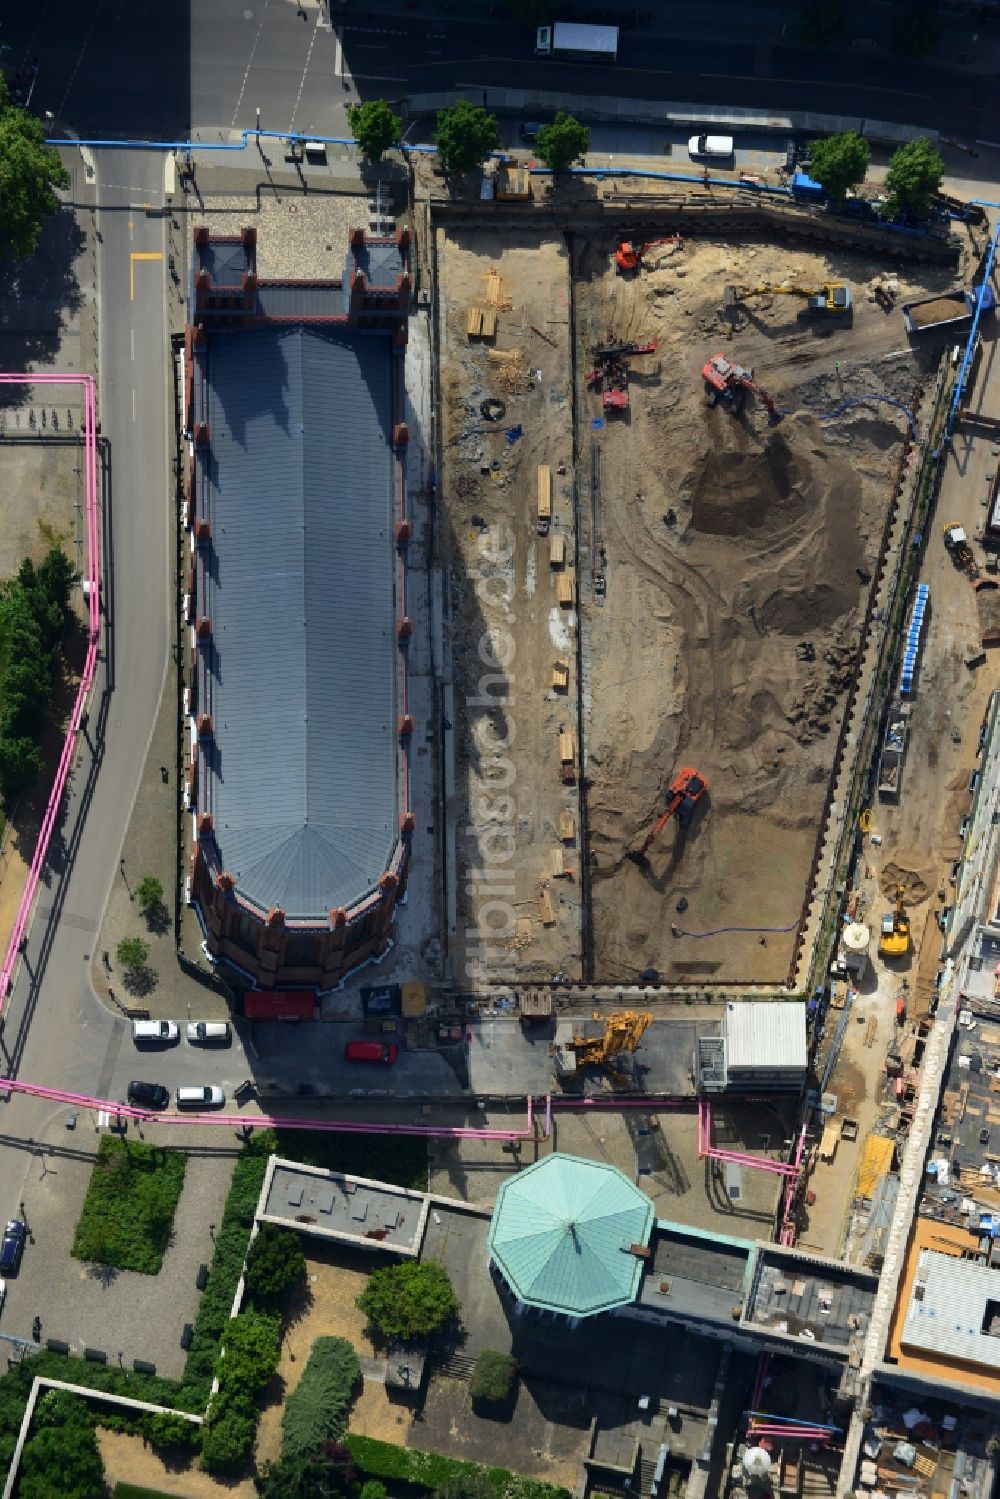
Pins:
x: 564, y: 591
x: 544, y: 492
x: 557, y: 550
x: 560, y: 676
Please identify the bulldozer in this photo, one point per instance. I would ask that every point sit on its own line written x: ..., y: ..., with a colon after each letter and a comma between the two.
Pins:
x: 828, y: 299
x: 894, y: 937
x: 727, y: 385
x: 957, y: 546
x: 686, y: 790
x: 623, y: 1030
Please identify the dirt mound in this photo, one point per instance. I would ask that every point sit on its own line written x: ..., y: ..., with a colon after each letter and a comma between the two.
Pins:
x: 914, y: 874
x: 740, y: 493
x: 795, y: 612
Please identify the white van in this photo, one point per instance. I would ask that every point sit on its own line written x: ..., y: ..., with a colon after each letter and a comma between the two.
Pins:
x: 208, y: 1030
x: 154, y: 1030
x: 210, y: 1096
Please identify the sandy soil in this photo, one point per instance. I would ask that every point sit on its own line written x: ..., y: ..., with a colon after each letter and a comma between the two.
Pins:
x: 503, y: 598
x: 127, y: 1459
x: 729, y: 541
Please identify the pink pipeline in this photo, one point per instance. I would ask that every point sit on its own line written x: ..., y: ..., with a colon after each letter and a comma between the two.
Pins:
x: 276, y: 1121
x: 86, y: 677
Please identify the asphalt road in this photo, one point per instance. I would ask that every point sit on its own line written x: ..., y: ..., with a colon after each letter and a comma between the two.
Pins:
x: 164, y: 71
x: 56, y: 1033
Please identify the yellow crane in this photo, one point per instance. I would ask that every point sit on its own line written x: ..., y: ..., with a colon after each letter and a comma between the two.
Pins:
x: 623, y: 1030
x: 894, y: 938
x: 828, y: 299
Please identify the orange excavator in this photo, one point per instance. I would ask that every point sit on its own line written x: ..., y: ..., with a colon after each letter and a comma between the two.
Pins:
x: 686, y: 790
x: 727, y: 384
x: 628, y: 256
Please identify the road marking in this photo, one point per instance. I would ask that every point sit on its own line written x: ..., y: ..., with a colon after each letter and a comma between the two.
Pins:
x: 246, y: 75
x: 131, y: 339
x: 135, y: 255
x: 338, y: 60
x: 868, y: 88
x: 133, y: 403
x: 305, y: 70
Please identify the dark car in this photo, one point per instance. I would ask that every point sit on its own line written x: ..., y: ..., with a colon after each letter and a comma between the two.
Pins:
x: 12, y: 1246
x: 148, y: 1095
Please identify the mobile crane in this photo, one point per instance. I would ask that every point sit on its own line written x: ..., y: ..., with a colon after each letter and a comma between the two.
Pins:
x: 727, y: 384
x: 610, y: 372
x: 894, y: 938
x: 828, y: 299
x: 686, y: 790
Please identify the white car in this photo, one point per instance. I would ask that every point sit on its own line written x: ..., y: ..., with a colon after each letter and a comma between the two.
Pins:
x: 209, y: 1096
x: 208, y: 1030
x: 154, y: 1030
x: 717, y: 147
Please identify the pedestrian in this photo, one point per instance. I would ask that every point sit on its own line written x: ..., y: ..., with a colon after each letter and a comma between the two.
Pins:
x: 106, y: 958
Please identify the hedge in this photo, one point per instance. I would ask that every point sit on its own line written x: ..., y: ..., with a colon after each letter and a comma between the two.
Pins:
x: 128, y: 1212
x: 423, y: 1472
x: 317, y: 1409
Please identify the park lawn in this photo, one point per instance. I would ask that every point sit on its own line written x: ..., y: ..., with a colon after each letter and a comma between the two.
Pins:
x: 128, y: 1212
x: 133, y: 1491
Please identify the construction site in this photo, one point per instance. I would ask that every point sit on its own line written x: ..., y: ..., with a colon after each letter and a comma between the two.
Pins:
x: 673, y: 459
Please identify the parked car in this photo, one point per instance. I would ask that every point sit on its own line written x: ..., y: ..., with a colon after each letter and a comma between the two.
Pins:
x: 210, y: 1096
x: 3, y: 1293
x: 154, y: 1030
x: 715, y: 147
x: 148, y: 1095
x: 385, y: 1052
x: 12, y: 1246
x: 208, y: 1030
x: 530, y: 129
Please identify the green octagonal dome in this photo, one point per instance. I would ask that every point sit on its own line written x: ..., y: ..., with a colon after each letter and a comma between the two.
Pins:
x: 562, y: 1233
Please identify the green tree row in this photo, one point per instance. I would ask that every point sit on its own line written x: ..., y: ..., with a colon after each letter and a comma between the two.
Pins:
x: 840, y: 162
x: 465, y: 135
x: 30, y: 171
x: 34, y: 609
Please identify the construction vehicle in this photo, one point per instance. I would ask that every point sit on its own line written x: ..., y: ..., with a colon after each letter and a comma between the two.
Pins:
x: 686, y: 790
x: 828, y: 299
x: 894, y: 937
x: 727, y: 384
x: 629, y: 256
x: 610, y: 371
x: 958, y: 548
x: 623, y: 1030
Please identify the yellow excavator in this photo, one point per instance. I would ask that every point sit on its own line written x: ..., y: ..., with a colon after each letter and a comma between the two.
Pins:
x: 894, y: 938
x: 623, y: 1030
x: 828, y: 299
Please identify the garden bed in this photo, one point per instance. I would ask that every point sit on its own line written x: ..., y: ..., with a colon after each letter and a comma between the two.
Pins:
x: 128, y: 1213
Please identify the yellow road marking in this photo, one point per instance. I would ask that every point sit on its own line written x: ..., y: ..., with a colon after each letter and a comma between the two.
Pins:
x: 133, y: 257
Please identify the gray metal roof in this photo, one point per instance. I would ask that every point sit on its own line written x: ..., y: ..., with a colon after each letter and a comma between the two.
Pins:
x: 952, y: 1304
x: 303, y: 772
x: 380, y: 259
x: 766, y: 1034
x: 225, y: 260
x: 286, y: 299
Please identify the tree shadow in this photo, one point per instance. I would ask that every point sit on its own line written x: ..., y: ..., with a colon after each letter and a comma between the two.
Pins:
x: 105, y: 1275
x: 157, y: 918
x: 141, y: 980
x: 38, y: 296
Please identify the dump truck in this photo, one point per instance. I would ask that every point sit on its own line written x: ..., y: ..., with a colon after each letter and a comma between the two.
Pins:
x: 949, y: 309
x: 569, y: 39
x: 890, y: 765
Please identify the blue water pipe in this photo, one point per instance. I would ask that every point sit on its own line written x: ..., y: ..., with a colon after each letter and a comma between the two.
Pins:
x: 829, y: 416
x: 970, y: 346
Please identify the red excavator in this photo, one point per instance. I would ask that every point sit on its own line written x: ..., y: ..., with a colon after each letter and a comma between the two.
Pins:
x: 628, y: 256
x: 686, y: 790
x: 726, y: 384
x: 610, y: 372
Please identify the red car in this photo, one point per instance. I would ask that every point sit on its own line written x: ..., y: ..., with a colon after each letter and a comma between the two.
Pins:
x: 385, y: 1052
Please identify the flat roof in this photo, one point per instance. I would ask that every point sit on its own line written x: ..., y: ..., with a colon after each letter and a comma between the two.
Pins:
x: 823, y: 1303
x: 766, y: 1034
x: 694, y: 1275
x: 351, y: 1209
x: 954, y: 1309
x: 301, y: 772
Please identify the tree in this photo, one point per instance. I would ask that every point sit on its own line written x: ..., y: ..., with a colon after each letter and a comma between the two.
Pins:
x: 227, y: 1439
x: 20, y: 765
x: 839, y: 162
x: 914, y: 176
x: 374, y: 127
x: 30, y: 171
x: 563, y: 142
x: 466, y: 134
x: 326, y: 1474
x: 170, y: 1430
x: 916, y: 30
x: 132, y: 953
x: 275, y: 1259
x: 62, y: 1460
x: 317, y: 1409
x: 823, y: 23
x: 467, y: 1484
x: 249, y: 1354
x: 493, y: 1377
x: 411, y: 1300
x: 149, y: 892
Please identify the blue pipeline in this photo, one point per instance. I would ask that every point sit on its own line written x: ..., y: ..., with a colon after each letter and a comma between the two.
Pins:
x: 970, y: 346
x: 793, y: 1421
x: 718, y: 931
x: 829, y: 416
